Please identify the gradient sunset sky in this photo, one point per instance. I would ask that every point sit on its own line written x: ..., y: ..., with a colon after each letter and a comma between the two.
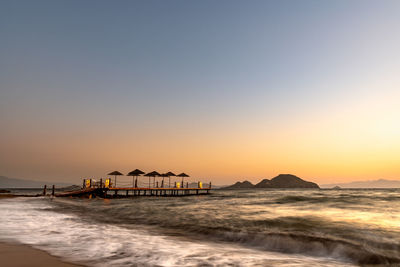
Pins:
x: 222, y: 90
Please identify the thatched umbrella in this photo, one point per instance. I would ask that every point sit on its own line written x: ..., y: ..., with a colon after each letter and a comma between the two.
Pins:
x: 152, y: 174
x: 169, y: 174
x: 183, y: 175
x: 135, y: 173
x: 115, y: 173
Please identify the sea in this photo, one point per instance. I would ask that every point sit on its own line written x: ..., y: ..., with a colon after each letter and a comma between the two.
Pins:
x: 296, y: 227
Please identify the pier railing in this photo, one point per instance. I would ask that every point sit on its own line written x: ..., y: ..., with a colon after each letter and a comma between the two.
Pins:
x: 107, y: 183
x: 110, y: 190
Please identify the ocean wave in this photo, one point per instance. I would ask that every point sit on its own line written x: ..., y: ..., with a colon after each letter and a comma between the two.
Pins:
x: 314, y: 246
x: 298, y: 236
x: 347, y: 199
x: 99, y: 244
x: 348, y: 227
x: 203, y: 219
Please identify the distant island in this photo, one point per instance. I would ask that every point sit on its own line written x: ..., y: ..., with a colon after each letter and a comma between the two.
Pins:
x: 381, y: 183
x: 280, y: 181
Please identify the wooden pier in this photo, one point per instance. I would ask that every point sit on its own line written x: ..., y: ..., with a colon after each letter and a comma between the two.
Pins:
x: 105, y: 190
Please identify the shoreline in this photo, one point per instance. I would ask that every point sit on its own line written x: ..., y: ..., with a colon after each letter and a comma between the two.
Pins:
x: 21, y: 255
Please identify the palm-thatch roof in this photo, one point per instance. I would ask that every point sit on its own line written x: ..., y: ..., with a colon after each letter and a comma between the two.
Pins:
x: 152, y: 174
x: 115, y: 173
x: 136, y: 172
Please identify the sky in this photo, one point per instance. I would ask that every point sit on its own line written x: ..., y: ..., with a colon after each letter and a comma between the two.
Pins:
x: 221, y: 90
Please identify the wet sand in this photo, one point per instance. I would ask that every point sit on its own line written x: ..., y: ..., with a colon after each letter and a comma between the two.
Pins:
x: 16, y: 255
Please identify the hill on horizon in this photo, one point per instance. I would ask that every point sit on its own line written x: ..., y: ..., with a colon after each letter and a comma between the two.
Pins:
x: 6, y: 182
x: 240, y: 185
x: 280, y: 181
x: 380, y: 183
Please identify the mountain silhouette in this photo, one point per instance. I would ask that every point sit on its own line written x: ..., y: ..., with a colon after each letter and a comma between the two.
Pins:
x: 280, y: 181
x: 240, y: 185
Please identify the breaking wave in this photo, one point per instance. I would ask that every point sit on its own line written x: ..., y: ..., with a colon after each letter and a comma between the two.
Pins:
x: 251, y: 228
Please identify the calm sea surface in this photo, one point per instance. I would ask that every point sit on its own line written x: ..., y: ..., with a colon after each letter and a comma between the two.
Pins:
x: 226, y: 228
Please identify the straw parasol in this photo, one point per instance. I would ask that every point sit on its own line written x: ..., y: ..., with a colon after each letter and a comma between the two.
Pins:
x: 115, y: 173
x: 135, y: 173
x: 169, y: 174
x: 183, y: 175
x: 152, y: 174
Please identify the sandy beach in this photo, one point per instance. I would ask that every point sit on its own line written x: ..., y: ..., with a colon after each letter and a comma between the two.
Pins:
x: 16, y: 255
